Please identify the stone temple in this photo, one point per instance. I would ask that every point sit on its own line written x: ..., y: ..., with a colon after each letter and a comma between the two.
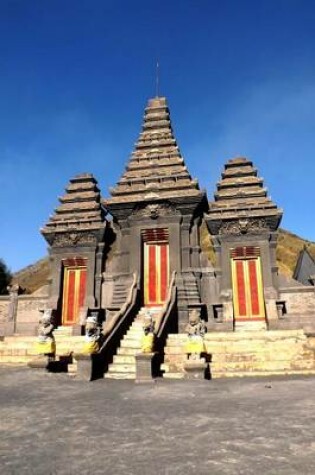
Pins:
x: 147, y: 256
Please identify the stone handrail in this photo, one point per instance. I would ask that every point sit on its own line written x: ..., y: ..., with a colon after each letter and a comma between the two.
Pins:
x: 167, y: 308
x: 111, y: 327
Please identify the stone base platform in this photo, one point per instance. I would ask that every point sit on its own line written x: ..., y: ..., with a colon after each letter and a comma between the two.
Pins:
x: 246, y: 353
x: 20, y: 350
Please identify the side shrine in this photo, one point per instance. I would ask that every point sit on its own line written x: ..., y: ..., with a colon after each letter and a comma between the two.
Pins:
x: 146, y: 261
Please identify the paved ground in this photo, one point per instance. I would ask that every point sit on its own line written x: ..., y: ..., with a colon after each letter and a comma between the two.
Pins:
x: 51, y: 424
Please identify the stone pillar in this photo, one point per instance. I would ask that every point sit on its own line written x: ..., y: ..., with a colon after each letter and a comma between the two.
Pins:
x: 56, y: 275
x: 98, y: 274
x: 124, y: 250
x: 90, y: 290
x: 195, y: 244
x: 185, y: 227
x: 144, y: 367
x: 10, y: 325
x: 218, y: 259
x: 270, y: 296
x: 273, y: 259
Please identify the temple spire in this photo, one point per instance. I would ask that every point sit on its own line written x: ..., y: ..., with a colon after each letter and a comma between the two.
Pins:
x: 242, y: 198
x: 157, y: 79
x: 79, y: 213
x: 156, y: 169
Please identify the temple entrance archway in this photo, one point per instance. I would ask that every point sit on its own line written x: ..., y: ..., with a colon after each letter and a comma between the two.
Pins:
x: 247, y: 284
x: 155, y: 266
x: 74, y: 290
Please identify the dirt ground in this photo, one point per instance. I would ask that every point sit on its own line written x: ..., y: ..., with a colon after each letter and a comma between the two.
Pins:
x: 52, y: 424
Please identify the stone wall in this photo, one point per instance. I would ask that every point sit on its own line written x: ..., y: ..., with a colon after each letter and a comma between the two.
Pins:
x: 299, y: 302
x: 246, y: 353
x: 28, y: 308
x: 27, y: 313
x: 4, y: 308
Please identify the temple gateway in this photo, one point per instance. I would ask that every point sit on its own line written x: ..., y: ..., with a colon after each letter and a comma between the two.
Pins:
x: 146, y: 258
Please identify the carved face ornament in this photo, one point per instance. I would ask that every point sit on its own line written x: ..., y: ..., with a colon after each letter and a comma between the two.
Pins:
x: 154, y: 211
x: 243, y: 224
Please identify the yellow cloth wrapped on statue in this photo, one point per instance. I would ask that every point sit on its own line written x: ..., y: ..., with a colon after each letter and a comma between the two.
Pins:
x: 147, y: 343
x: 45, y: 347
x: 90, y: 347
x: 195, y: 344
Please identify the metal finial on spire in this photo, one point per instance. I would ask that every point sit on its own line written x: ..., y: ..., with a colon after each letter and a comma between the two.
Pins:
x: 157, y: 80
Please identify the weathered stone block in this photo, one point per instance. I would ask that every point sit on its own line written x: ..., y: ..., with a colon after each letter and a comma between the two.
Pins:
x: 195, y: 369
x: 144, y: 367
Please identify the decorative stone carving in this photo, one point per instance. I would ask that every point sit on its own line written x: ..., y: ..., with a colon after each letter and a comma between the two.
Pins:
x: 74, y: 239
x: 154, y: 210
x: 195, y: 329
x: 147, y: 342
x: 46, y: 341
x: 13, y: 290
x: 92, y: 335
x: 243, y: 226
x: 226, y: 295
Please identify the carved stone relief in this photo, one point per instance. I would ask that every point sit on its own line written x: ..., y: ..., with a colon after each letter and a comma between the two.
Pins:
x: 243, y: 226
x: 154, y: 210
x: 74, y: 239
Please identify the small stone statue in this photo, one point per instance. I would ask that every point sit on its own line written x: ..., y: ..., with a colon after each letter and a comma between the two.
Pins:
x: 92, y: 335
x: 147, y: 342
x: 46, y: 341
x: 195, y: 330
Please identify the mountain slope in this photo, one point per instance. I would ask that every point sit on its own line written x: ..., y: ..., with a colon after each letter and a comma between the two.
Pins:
x: 288, y: 249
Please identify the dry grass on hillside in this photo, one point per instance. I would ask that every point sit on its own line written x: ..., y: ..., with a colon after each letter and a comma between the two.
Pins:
x: 288, y: 249
x: 33, y: 277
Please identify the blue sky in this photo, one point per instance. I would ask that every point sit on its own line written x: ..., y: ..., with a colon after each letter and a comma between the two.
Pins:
x: 76, y: 75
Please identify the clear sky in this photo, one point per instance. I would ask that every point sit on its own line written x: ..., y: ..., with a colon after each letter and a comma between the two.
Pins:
x: 76, y: 74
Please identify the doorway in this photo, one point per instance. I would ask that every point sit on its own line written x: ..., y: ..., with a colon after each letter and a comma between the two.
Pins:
x: 74, y: 292
x: 247, y: 284
x: 155, y: 268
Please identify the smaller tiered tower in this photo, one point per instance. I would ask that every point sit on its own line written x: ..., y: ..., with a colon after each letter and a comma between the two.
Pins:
x: 75, y: 234
x: 243, y: 222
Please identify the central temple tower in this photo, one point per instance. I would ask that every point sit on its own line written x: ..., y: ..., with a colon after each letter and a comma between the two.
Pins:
x: 157, y: 209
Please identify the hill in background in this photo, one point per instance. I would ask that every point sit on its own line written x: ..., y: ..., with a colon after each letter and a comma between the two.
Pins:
x: 32, y: 277
x: 288, y: 249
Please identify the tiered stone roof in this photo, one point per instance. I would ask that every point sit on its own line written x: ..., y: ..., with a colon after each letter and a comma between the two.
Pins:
x: 156, y: 169
x: 80, y: 209
x: 241, y: 195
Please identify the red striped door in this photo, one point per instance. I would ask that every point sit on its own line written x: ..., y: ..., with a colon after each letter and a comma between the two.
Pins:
x: 74, y: 290
x: 248, y: 300
x: 156, y: 273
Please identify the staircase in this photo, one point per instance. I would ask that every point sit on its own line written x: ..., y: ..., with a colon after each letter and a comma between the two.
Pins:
x: 124, y: 362
x: 188, y: 290
x: 247, y: 353
x: 20, y: 349
x: 120, y: 293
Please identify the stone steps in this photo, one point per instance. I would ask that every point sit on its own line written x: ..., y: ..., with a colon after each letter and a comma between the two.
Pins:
x: 245, y: 353
x: 21, y: 349
x: 124, y: 362
x: 128, y: 359
x: 173, y: 375
x: 244, y: 374
x: 119, y: 376
x: 127, y: 351
x: 130, y: 344
x: 122, y: 368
